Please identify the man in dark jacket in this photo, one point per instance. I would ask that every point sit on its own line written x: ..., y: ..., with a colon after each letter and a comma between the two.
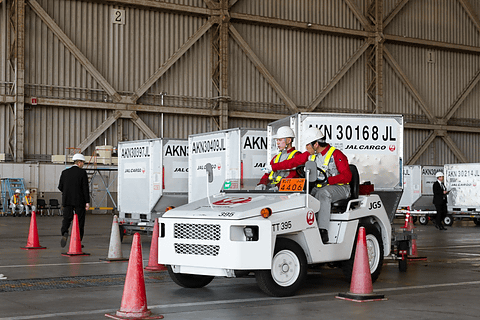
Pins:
x: 75, y: 196
x: 440, y: 201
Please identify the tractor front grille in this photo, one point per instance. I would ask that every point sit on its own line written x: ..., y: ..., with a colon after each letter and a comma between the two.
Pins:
x: 195, y: 231
x: 197, y: 249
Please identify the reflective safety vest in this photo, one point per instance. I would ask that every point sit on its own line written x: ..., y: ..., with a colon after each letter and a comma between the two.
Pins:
x: 28, y: 200
x: 279, y: 177
x: 16, y: 199
x: 325, y: 166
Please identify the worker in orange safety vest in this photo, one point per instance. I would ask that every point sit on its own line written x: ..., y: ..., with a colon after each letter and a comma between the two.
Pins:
x: 27, y: 202
x: 16, y: 203
x: 271, y: 179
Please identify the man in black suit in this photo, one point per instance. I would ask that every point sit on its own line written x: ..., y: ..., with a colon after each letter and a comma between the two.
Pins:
x: 440, y: 201
x: 75, y: 196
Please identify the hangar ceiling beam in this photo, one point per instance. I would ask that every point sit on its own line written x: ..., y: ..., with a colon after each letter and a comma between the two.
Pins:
x: 74, y: 49
x: 403, y: 77
x: 263, y: 70
x: 171, y: 61
x: 338, y: 76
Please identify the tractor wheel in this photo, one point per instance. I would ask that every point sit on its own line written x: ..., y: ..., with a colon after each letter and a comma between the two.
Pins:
x: 189, y: 280
x: 289, y: 270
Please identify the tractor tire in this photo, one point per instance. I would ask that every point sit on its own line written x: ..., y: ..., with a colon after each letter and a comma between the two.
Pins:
x: 189, y: 280
x: 289, y: 270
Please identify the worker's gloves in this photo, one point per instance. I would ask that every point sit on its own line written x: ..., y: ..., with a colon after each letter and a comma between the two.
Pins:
x: 267, y: 168
x: 261, y: 187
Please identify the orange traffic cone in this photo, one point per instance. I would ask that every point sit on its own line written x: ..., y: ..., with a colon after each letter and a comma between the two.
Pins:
x: 33, y: 242
x: 361, y: 289
x: 115, y: 248
x: 414, y: 252
x: 75, y: 248
x: 134, y: 299
x: 407, y: 218
x: 153, y: 258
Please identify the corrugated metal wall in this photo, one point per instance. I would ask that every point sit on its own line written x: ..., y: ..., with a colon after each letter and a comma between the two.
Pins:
x: 326, y: 12
x: 126, y: 55
x: 302, y: 61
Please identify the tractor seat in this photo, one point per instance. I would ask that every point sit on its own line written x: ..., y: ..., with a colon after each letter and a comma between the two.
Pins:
x: 341, y: 205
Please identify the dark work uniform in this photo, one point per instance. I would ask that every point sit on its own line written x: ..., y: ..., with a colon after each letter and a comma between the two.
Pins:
x: 440, y: 202
x: 75, y: 195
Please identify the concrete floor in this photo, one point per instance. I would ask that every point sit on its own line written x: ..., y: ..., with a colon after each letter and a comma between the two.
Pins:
x: 43, y: 284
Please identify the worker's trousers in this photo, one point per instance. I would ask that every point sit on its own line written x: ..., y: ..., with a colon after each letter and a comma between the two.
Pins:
x: 326, y: 195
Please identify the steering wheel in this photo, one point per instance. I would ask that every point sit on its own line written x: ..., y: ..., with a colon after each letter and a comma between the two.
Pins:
x: 301, y: 171
x: 322, y: 175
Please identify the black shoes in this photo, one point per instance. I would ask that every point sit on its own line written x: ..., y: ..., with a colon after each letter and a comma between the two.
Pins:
x: 440, y: 227
x: 63, y: 241
x: 324, y: 234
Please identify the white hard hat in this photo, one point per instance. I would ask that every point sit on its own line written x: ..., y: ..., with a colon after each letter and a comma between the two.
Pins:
x: 27, y: 192
x: 17, y: 191
x: 78, y: 156
x: 439, y: 174
x: 312, y: 134
x: 284, y: 132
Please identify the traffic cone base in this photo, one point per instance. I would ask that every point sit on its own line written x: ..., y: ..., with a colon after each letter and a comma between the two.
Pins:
x: 134, y: 298
x: 153, y: 257
x: 69, y: 254
x: 115, y: 316
x: 114, y: 259
x: 361, y: 297
x: 75, y: 248
x: 33, y: 243
x: 115, y: 247
x: 414, y: 255
x: 160, y: 267
x: 32, y: 248
x: 361, y: 289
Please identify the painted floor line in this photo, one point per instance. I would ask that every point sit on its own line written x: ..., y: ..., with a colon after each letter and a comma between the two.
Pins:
x: 218, y: 302
x: 450, y: 247
x: 57, y: 264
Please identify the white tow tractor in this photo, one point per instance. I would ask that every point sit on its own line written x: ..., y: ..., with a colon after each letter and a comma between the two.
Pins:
x: 271, y: 233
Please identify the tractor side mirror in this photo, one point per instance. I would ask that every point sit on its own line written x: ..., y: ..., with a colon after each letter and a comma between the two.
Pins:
x: 209, y: 169
x: 311, y: 168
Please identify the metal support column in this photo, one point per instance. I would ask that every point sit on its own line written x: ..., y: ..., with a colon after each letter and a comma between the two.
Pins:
x: 224, y: 92
x: 374, y: 61
x: 16, y: 60
x: 220, y: 37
